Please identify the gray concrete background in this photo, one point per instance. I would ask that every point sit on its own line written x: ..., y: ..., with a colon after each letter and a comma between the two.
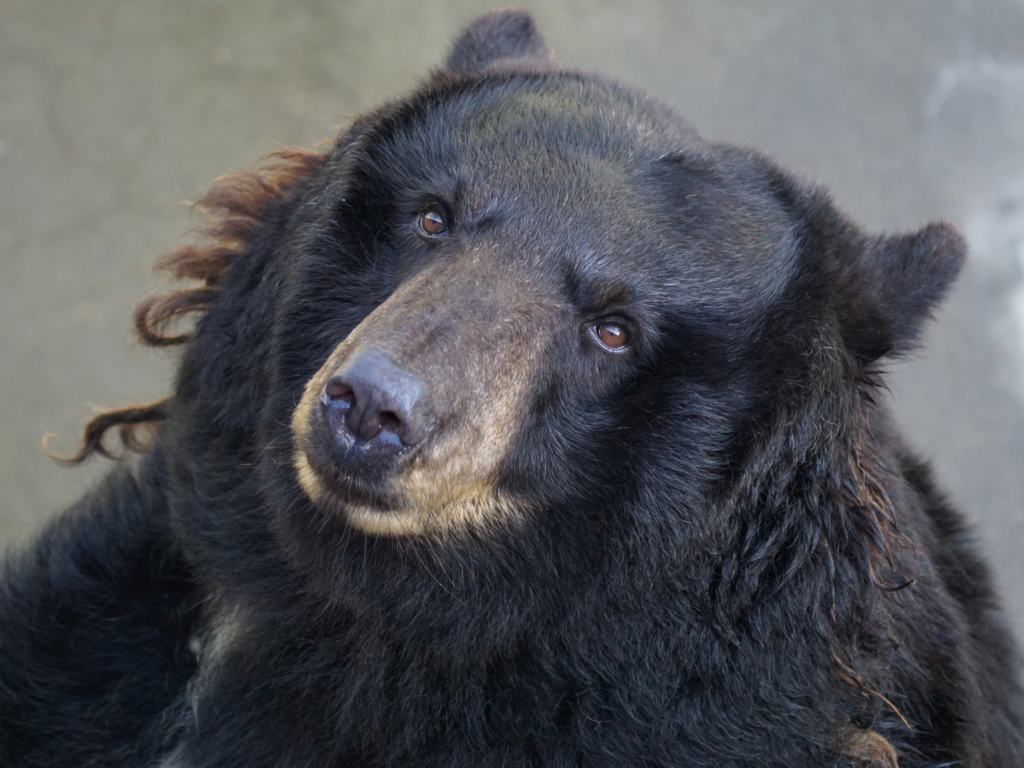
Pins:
x: 113, y: 113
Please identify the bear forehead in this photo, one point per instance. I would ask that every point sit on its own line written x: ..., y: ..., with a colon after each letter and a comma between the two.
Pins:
x: 504, y: 123
x: 588, y: 175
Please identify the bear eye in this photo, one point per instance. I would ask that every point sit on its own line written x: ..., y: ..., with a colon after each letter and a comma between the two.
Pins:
x: 432, y: 223
x: 612, y: 336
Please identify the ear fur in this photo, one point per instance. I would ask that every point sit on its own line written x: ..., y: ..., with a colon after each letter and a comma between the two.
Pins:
x: 507, y: 34
x: 894, y: 284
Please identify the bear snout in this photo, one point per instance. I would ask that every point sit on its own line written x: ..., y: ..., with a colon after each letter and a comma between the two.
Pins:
x: 405, y: 427
x: 375, y: 405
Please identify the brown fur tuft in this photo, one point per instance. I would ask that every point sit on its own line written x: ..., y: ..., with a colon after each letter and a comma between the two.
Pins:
x: 868, y: 749
x: 865, y: 494
x: 234, y: 207
x: 129, y: 420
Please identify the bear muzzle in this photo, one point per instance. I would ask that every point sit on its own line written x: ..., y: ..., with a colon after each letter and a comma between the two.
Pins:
x: 405, y: 428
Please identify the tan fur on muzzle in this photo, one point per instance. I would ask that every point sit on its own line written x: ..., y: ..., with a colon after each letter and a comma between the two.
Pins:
x: 479, y: 374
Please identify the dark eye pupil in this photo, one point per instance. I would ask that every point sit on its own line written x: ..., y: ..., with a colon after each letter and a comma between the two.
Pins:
x: 612, y: 335
x: 432, y: 223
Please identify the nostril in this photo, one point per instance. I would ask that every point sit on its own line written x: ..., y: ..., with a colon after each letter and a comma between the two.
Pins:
x: 390, y: 421
x: 389, y: 437
x: 390, y: 427
x: 338, y: 390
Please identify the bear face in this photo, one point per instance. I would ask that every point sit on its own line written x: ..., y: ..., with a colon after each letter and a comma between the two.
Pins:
x: 516, y: 331
x: 522, y: 426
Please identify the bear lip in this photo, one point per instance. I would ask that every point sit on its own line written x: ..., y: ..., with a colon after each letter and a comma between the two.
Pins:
x: 342, y: 488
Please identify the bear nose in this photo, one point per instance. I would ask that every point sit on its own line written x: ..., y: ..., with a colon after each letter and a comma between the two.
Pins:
x: 376, y: 400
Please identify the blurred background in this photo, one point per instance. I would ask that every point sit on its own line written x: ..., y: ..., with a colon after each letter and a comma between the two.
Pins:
x: 114, y: 114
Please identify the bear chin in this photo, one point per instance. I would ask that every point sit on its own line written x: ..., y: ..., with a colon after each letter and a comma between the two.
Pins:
x: 404, y: 516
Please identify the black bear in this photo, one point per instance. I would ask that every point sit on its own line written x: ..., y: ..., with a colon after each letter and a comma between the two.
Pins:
x: 519, y: 427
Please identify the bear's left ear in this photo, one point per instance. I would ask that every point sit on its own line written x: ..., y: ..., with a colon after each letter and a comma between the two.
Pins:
x: 893, y: 285
x: 508, y: 34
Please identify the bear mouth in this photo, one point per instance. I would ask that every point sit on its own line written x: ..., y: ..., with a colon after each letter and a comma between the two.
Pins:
x: 350, y: 471
x: 392, y: 510
x: 374, y: 484
x: 359, y: 426
x: 413, y: 492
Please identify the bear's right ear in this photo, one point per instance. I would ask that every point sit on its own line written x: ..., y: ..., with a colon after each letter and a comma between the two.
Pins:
x: 892, y: 286
x: 508, y: 34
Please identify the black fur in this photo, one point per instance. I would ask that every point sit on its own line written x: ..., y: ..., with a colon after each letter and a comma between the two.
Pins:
x: 731, y: 559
